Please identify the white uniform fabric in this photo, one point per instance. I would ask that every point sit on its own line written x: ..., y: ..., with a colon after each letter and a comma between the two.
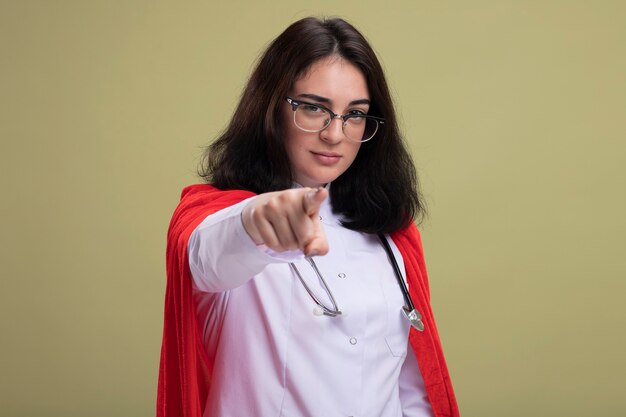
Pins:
x: 274, y: 354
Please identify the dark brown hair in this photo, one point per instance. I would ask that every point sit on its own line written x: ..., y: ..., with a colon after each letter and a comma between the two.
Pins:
x: 378, y: 193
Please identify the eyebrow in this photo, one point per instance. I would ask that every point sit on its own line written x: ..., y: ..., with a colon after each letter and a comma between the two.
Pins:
x: 326, y: 100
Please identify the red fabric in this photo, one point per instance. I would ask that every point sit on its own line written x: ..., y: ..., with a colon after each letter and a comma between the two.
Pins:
x: 185, y: 371
x: 426, y: 344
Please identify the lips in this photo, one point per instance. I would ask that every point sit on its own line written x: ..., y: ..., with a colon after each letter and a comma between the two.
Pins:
x: 327, y: 158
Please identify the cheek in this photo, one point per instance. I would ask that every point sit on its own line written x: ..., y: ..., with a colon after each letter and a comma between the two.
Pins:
x: 293, y: 142
x: 292, y: 134
x: 288, y: 127
x: 355, y: 150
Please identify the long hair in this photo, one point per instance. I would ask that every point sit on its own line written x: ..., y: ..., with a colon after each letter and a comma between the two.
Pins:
x: 378, y: 193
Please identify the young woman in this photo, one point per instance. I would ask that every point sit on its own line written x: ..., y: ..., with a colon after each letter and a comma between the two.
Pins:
x: 287, y: 271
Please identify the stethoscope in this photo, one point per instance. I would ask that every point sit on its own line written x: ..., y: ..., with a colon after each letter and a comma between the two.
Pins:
x: 408, y: 309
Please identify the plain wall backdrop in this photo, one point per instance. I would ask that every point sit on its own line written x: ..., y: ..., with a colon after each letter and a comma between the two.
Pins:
x: 515, y: 113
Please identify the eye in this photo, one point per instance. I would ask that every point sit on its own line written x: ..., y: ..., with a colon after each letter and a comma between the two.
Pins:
x: 355, y: 115
x: 311, y: 108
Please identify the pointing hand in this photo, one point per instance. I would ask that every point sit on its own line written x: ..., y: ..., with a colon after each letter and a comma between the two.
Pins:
x: 288, y: 220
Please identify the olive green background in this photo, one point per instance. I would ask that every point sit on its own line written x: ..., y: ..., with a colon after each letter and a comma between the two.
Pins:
x: 515, y: 114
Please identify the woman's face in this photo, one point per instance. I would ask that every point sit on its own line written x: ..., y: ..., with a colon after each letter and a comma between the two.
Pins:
x: 319, y: 158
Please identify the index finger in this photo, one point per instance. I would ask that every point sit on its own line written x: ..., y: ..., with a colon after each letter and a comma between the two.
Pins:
x: 313, y: 199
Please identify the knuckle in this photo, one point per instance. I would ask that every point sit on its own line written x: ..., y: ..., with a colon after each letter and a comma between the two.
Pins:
x: 257, y: 214
x: 272, y: 204
x: 287, y: 198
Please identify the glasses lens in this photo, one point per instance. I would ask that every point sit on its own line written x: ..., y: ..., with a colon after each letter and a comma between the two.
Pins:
x: 360, y: 129
x: 311, y: 118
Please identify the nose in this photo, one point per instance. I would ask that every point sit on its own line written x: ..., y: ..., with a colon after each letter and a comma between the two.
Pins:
x: 334, y: 131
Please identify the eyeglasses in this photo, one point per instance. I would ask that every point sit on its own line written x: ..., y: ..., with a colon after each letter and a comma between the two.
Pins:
x: 356, y: 125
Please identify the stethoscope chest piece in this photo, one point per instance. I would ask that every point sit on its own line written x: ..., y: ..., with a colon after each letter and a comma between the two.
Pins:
x: 414, y: 317
x: 409, y: 310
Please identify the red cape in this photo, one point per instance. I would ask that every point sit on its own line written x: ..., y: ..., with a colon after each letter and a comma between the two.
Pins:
x: 185, y: 371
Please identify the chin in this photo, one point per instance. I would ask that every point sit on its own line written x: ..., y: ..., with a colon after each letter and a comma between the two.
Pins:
x: 316, y: 182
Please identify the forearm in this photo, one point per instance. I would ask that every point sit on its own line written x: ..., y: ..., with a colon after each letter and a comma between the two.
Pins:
x: 222, y: 255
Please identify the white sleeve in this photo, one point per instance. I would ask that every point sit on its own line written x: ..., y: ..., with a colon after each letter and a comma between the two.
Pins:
x: 413, y: 395
x: 223, y: 256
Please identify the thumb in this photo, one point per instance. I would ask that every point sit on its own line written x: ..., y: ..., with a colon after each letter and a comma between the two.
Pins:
x: 313, y: 199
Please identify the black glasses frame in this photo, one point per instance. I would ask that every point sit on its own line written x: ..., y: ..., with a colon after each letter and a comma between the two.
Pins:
x: 344, y: 117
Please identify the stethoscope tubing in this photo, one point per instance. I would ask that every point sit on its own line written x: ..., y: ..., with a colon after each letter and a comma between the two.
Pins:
x: 410, y: 311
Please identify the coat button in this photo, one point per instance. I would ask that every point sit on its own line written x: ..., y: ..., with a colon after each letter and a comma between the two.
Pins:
x: 341, y: 275
x: 353, y: 340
